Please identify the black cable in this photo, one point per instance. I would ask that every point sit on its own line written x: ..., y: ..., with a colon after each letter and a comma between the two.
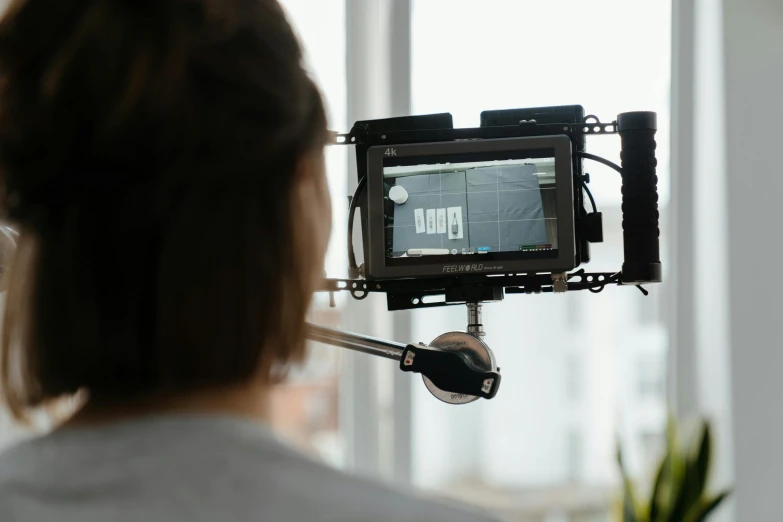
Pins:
x: 351, y: 211
x: 599, y: 159
x: 618, y: 168
x: 589, y: 195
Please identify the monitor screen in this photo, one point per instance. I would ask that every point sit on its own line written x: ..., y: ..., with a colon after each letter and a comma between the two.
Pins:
x: 496, y: 205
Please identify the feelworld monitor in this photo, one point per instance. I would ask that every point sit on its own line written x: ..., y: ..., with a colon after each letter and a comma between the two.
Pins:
x: 484, y: 206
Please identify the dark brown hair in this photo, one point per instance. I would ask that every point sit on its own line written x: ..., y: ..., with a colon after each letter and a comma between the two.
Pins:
x: 149, y: 151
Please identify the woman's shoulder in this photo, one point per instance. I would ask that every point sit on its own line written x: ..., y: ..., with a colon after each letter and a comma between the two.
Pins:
x: 220, y: 465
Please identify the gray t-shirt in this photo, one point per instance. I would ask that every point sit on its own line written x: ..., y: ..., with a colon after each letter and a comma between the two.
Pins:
x: 194, y: 469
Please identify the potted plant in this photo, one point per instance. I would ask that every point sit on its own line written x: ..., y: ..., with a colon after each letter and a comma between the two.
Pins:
x: 679, y: 491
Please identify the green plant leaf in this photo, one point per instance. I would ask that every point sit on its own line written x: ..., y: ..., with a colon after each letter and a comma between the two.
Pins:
x: 677, y: 460
x: 672, y: 433
x: 630, y: 511
x: 658, y: 487
x: 620, y: 460
x: 678, y: 507
x: 701, y: 461
x: 702, y: 510
x: 676, y: 496
x: 678, y: 492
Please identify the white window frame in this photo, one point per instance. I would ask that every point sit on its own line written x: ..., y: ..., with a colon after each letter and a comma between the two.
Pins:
x: 378, y: 70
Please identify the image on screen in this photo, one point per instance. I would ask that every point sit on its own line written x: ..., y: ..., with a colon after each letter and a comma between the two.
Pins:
x: 471, y: 207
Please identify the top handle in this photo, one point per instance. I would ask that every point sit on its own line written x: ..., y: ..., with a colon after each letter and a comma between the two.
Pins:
x: 640, y: 198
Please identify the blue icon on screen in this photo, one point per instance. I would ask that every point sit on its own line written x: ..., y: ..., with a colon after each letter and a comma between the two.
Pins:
x: 484, y: 249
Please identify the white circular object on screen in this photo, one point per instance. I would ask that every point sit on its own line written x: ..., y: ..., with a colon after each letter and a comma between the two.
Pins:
x: 398, y: 194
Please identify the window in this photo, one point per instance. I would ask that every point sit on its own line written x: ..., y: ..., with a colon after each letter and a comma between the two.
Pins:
x: 573, y: 378
x: 651, y: 377
x: 574, y: 450
x: 649, y: 309
x: 528, y: 53
x: 575, y: 311
x: 653, y: 446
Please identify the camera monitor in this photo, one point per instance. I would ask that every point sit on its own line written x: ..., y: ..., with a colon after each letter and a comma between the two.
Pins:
x: 484, y: 206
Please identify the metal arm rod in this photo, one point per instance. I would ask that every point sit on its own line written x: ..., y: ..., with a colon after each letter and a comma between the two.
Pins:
x: 356, y: 342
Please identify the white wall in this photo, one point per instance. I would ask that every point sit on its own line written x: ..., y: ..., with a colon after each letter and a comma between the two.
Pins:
x: 753, y: 40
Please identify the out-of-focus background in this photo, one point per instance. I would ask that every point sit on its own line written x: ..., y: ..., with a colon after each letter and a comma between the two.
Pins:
x: 580, y: 372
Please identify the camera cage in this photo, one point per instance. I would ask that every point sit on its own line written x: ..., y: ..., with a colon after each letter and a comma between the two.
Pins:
x: 639, y: 208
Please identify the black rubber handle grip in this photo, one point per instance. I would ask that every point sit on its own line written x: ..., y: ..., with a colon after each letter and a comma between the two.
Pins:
x: 641, y: 232
x: 450, y: 371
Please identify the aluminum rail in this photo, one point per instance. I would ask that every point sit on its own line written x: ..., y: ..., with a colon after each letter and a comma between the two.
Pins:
x: 356, y: 342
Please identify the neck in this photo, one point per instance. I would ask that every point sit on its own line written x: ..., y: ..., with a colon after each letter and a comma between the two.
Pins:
x: 249, y: 401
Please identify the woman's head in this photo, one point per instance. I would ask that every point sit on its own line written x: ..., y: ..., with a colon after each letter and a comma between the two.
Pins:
x: 163, y: 160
